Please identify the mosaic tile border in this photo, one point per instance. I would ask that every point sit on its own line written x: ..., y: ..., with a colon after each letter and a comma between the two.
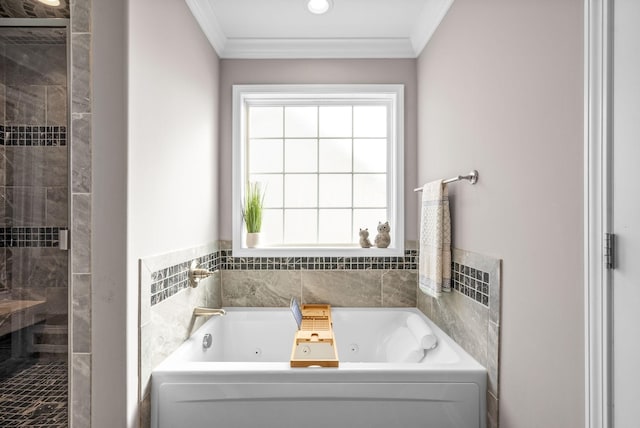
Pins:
x: 28, y: 135
x: 30, y: 237
x: 409, y: 261
x: 168, y: 281
x: 473, y: 283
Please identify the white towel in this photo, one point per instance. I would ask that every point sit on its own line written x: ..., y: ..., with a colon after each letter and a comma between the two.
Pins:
x: 421, y: 332
x: 434, y: 267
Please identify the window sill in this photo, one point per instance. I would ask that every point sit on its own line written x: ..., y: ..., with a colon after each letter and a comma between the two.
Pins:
x: 316, y: 252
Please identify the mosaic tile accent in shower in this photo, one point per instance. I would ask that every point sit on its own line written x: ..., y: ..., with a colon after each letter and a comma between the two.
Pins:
x: 35, y: 396
x: 471, y: 282
x: 23, y: 237
x: 27, y: 135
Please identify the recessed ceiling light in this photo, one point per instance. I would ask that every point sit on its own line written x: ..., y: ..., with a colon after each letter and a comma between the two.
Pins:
x: 50, y: 2
x: 319, y: 7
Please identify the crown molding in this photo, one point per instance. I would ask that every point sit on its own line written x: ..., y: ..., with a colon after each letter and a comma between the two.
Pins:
x: 203, y: 12
x: 282, y: 48
x: 430, y: 18
x: 317, y: 48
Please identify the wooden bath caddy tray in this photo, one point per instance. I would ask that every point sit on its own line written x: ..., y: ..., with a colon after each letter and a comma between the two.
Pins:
x: 314, y: 343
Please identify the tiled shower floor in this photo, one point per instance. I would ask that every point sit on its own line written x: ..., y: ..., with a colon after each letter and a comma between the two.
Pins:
x: 34, y: 395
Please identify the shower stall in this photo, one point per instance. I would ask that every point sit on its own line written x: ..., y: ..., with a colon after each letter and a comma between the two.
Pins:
x: 34, y: 221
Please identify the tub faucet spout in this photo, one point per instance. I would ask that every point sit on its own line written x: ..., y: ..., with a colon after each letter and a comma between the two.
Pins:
x: 200, y: 311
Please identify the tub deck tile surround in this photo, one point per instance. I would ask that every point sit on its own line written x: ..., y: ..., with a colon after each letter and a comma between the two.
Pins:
x: 168, y: 280
x: 342, y: 288
x: 260, y: 288
x: 472, y: 319
x: 464, y: 316
x: 466, y: 323
x: 399, y: 288
x: 164, y: 325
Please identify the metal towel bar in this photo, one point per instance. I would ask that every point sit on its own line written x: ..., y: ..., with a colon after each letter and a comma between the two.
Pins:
x: 472, y: 177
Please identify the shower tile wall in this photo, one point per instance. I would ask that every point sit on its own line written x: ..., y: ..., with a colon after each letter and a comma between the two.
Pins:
x: 79, y: 138
x: 33, y: 175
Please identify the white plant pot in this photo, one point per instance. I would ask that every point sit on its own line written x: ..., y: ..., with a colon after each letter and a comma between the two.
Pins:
x: 253, y: 240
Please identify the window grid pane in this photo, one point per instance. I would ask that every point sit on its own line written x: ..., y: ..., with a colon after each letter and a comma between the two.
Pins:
x: 316, y: 165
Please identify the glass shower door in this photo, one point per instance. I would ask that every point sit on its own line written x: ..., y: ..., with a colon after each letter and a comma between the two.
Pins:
x: 34, y: 210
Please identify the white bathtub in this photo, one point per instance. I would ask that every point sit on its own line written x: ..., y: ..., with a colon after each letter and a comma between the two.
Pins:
x: 244, y: 378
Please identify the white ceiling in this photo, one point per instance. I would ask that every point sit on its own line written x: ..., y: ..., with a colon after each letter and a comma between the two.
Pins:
x: 351, y: 29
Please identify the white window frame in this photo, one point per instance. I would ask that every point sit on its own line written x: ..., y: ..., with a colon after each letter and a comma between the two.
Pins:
x: 244, y: 94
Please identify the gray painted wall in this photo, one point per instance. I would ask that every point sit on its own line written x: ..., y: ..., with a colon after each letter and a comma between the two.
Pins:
x: 301, y: 71
x: 500, y: 90
x: 173, y: 99
x: 155, y: 130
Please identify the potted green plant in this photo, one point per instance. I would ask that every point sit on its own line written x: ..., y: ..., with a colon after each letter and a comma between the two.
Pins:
x: 252, y: 213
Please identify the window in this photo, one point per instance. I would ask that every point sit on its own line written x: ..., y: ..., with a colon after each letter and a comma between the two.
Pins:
x: 330, y: 160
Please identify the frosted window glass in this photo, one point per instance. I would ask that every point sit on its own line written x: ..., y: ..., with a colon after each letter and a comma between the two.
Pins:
x: 265, y: 156
x: 335, y: 190
x: 370, y: 190
x: 272, y: 186
x: 272, y: 232
x: 368, y: 219
x: 300, y: 190
x: 301, y: 226
x: 334, y: 227
x: 265, y: 122
x: 325, y: 156
x: 370, y: 155
x: 300, y: 155
x: 335, y: 155
x: 300, y: 122
x: 369, y: 121
x: 335, y: 121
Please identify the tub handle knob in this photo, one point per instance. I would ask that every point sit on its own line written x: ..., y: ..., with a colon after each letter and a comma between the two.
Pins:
x: 196, y: 274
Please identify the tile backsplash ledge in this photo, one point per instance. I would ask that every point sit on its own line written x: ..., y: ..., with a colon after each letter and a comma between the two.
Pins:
x: 169, y: 280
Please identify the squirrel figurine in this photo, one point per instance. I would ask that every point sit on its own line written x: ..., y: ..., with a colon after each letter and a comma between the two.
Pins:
x: 383, y: 239
x: 364, y: 238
